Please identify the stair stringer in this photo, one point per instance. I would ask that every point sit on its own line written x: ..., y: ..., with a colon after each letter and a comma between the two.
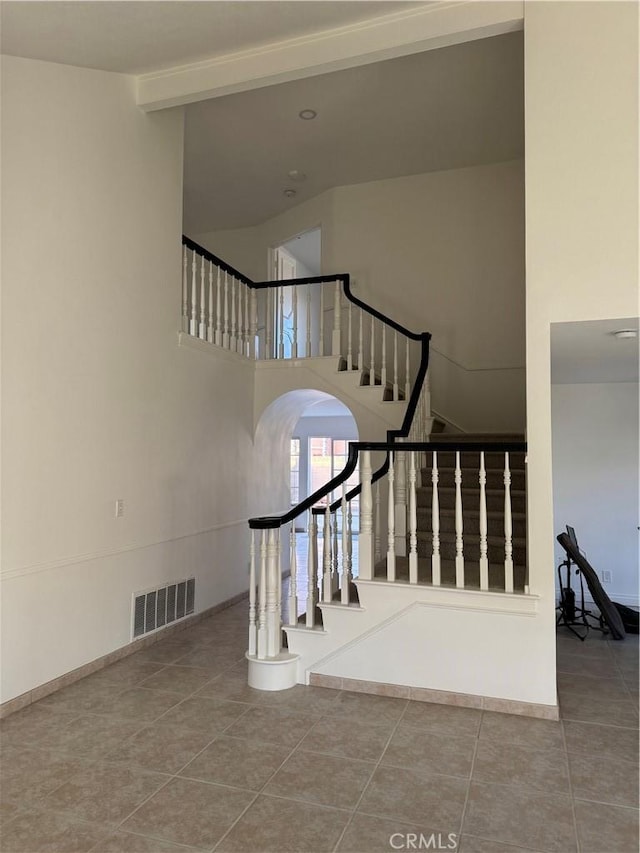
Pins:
x: 373, y: 415
x: 454, y: 641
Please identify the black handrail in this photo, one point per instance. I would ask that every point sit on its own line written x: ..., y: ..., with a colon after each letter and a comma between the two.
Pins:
x: 200, y: 250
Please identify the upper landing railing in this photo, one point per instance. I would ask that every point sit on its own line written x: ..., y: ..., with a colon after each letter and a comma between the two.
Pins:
x: 296, y: 318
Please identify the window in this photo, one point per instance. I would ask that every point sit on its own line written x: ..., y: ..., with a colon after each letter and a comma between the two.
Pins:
x: 294, y: 477
x: 327, y: 458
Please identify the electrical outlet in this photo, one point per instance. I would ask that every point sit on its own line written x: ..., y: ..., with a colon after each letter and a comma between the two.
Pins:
x: 606, y: 576
x: 119, y: 508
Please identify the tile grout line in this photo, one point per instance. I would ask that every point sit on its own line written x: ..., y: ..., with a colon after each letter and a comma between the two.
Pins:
x: 470, y: 782
x: 571, y: 797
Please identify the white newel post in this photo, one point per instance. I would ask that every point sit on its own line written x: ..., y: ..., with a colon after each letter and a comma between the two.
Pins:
x: 391, y: 517
x: 253, y: 644
x: 262, y: 598
x: 273, y: 604
x: 459, y: 551
x: 413, y: 521
x: 312, y: 570
x: 484, y: 561
x: 366, y: 520
x: 508, y: 528
x: 185, y: 285
x: 435, y: 523
x: 293, y: 581
x: 336, y: 343
x: 326, y: 555
x: 400, y: 521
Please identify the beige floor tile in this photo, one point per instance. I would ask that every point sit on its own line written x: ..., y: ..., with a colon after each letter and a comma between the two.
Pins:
x: 526, y: 731
x: 322, y: 779
x: 272, y: 725
x: 165, y: 652
x: 128, y: 672
x: 209, y: 659
x: 104, y: 793
x: 603, y: 741
x: 349, y: 739
x: 409, y: 795
x: 232, y: 685
x: 585, y: 685
x: 302, y: 698
x: 606, y: 829
x: 469, y: 844
x: 445, y: 719
x: 237, y: 762
x: 520, y: 817
x: 178, y: 679
x: 161, y: 747
x: 273, y: 826
x: 10, y: 810
x: 90, y: 736
x: 367, y: 708
x: 193, y: 813
x: 430, y: 752
x: 544, y: 770
x: 139, y: 703
x: 584, y: 665
x: 85, y: 696
x: 600, y: 709
x: 46, y: 832
x: 595, y: 646
x: 205, y: 714
x: 368, y: 834
x: 29, y: 775
x: 29, y: 726
x: 605, y: 780
x: 128, y: 842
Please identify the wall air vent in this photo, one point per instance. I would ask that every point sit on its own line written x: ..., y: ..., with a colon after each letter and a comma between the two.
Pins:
x: 156, y: 608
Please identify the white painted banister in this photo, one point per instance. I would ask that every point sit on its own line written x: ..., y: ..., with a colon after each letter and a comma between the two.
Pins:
x: 377, y: 551
x: 210, y: 330
x: 391, y: 517
x: 308, y: 305
x: 240, y: 334
x: 194, y: 295
x: 281, y: 323
x: 294, y: 309
x: 396, y: 390
x: 349, y: 337
x: 185, y: 291
x: 372, y: 352
x: 360, y: 342
x: 400, y: 509
x: 273, y: 600
x: 383, y: 368
x: 336, y: 342
x: 335, y: 560
x: 202, y: 327
x: 321, y: 333
x: 326, y: 555
x: 459, y: 545
x: 435, y: 523
x: 484, y: 560
x: 293, y: 580
x: 269, y: 320
x: 413, y: 521
x: 312, y: 570
x: 407, y: 371
x: 218, y: 335
x: 253, y: 328
x: 508, y: 528
x: 262, y: 597
x: 366, y: 554
x: 232, y: 337
x: 225, y: 320
x: 344, y: 575
x: 253, y: 638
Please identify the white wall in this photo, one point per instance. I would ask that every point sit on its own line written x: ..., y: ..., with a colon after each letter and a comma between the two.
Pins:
x: 595, y: 478
x: 581, y: 139
x: 442, y: 252
x: 99, y: 402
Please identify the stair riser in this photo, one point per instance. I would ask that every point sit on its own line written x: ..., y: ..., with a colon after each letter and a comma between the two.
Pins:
x: 471, y: 524
x: 470, y: 478
x: 471, y: 551
x: 447, y: 500
x: 471, y: 459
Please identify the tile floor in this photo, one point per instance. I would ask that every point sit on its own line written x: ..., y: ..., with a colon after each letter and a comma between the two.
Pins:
x: 169, y: 750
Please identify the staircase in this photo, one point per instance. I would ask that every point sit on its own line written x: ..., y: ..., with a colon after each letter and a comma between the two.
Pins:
x: 426, y: 555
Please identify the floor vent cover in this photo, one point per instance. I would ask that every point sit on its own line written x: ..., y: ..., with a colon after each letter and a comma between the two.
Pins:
x: 156, y: 608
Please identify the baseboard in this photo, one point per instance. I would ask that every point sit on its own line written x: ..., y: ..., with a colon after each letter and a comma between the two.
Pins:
x: 25, y: 699
x: 439, y: 697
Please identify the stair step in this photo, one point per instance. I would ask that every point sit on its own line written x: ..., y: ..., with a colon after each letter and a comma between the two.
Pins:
x: 448, y: 573
x: 471, y: 498
x: 471, y: 522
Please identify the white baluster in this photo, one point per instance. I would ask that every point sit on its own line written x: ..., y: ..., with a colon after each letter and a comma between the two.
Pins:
x: 360, y: 343
x: 281, y: 323
x: 240, y: 334
x: 232, y: 296
x: 225, y: 325
x: 269, y: 324
x: 253, y: 309
x: 396, y: 389
x: 294, y: 308
x: 459, y: 552
x: 193, y: 328
x: 377, y: 545
x: 484, y: 561
x: 252, y: 596
x: 366, y: 520
x: 308, y: 291
x: 262, y: 598
x: 407, y: 372
x: 185, y: 287
x: 210, y: 323
x: 247, y: 324
x: 435, y: 523
x: 202, y: 328
x: 273, y: 604
x: 326, y: 555
x: 426, y: 392
x: 312, y: 570
x: 293, y: 581
x: 349, y: 542
x: 218, y: 335
x: 413, y: 521
x: 321, y: 334
x: 383, y: 369
x: 350, y: 337
x: 344, y: 579
x: 391, y: 538
x: 372, y: 353
x: 335, y: 559
x: 508, y: 528
x: 400, y: 505
x: 336, y: 338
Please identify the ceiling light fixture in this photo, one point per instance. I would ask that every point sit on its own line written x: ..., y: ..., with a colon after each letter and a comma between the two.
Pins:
x: 307, y: 115
x: 289, y: 193
x: 624, y: 334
